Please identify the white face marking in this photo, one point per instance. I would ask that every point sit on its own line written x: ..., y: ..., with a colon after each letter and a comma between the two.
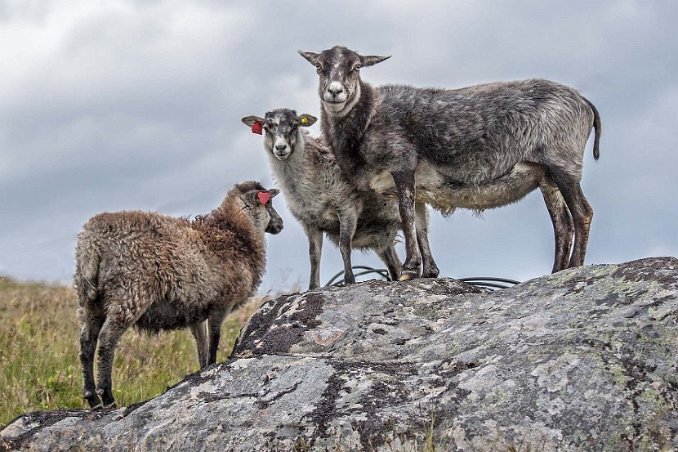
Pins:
x: 281, y: 149
x: 341, y: 110
x: 335, y: 87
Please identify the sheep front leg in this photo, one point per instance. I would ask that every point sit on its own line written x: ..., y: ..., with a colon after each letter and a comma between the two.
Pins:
x: 315, y: 247
x: 348, y: 221
x: 199, y: 331
x: 216, y: 318
x: 404, y: 182
x: 89, y: 333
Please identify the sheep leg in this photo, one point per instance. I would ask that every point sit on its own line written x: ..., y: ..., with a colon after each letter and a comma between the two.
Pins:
x: 581, y: 211
x: 392, y: 261
x: 91, y: 326
x: 214, y: 322
x: 563, y: 227
x: 404, y: 182
x: 429, y: 267
x: 109, y: 336
x: 315, y: 247
x: 347, y: 224
x: 199, y: 331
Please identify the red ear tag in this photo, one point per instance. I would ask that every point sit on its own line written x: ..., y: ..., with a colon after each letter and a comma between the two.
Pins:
x: 263, y: 197
x: 256, y: 127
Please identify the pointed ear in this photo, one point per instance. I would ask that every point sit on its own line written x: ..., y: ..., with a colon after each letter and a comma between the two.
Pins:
x: 309, y: 56
x: 306, y: 120
x: 274, y: 192
x: 250, y: 120
x: 371, y: 60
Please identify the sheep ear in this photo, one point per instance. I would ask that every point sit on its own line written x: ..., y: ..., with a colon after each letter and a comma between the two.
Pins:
x: 309, y: 56
x: 259, y: 197
x: 274, y: 192
x: 250, y: 120
x: 371, y: 60
x: 307, y: 120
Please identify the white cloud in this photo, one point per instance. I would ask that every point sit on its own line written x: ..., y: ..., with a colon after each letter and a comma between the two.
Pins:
x: 130, y: 104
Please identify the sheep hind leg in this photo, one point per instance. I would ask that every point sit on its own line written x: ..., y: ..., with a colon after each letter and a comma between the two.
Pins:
x: 392, y: 261
x: 199, y: 331
x: 404, y: 181
x: 563, y: 226
x: 429, y: 267
x: 109, y: 336
x: 92, y: 322
x: 581, y: 211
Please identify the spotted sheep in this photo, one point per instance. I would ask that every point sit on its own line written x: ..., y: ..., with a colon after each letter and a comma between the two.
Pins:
x: 157, y: 272
x: 323, y: 201
x: 477, y: 147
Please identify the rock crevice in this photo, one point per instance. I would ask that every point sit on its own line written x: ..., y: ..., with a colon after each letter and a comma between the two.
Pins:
x: 583, y: 359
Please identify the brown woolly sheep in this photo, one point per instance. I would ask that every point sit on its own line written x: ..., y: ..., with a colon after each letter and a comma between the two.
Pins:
x: 158, y: 273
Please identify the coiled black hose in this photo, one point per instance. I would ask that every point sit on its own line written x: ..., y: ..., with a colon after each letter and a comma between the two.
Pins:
x: 487, y: 282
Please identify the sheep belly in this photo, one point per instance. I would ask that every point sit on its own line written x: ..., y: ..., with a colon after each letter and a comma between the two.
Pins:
x: 510, y: 188
x: 170, y: 315
x: 446, y: 195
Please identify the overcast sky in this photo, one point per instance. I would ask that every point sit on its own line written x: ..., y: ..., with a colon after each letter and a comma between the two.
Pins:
x: 114, y: 105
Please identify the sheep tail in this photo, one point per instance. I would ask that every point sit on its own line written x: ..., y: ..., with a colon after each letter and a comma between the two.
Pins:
x: 597, y: 128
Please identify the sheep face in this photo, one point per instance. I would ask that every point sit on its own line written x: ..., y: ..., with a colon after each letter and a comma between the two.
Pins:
x: 281, y: 128
x: 338, y: 69
x: 259, y: 205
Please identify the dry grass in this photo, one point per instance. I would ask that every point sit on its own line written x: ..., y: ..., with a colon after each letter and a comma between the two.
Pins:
x: 39, y: 365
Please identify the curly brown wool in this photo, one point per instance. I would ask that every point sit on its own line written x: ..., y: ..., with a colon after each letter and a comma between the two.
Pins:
x: 157, y: 272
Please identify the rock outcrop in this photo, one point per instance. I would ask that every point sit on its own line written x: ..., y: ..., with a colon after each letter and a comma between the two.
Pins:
x: 583, y: 359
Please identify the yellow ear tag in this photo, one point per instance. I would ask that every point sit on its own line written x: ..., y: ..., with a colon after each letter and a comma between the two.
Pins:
x: 303, y: 121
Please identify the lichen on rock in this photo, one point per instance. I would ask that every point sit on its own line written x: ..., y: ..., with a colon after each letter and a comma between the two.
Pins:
x: 583, y: 359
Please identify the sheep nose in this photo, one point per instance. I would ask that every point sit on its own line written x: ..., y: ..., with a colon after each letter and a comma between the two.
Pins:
x: 280, y: 146
x: 274, y: 228
x: 335, y: 89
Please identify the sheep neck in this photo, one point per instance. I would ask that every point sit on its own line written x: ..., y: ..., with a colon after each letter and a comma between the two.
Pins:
x: 229, y: 233
x: 345, y: 133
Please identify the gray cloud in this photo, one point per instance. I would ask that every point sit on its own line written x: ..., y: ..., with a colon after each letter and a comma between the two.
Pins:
x: 136, y: 105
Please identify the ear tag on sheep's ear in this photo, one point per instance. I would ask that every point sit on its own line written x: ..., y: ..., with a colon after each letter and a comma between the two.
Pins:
x: 303, y: 120
x: 263, y: 197
x: 256, y: 127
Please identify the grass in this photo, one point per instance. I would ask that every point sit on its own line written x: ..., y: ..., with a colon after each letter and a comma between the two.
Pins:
x: 39, y: 364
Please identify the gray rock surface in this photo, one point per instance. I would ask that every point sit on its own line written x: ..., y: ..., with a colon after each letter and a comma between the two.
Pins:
x: 583, y: 359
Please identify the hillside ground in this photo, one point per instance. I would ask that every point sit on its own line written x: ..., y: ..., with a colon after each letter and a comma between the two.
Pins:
x: 39, y: 365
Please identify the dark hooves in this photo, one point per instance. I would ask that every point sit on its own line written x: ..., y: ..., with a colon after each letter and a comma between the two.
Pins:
x: 433, y: 273
x: 407, y: 275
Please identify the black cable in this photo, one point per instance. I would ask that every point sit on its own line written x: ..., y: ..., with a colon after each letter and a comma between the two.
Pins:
x: 487, y: 282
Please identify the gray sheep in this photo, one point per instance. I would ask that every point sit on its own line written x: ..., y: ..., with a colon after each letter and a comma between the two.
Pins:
x: 160, y: 273
x: 321, y: 198
x: 477, y: 147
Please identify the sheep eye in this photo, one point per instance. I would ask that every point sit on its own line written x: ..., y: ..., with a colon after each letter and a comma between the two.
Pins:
x: 357, y: 67
x: 318, y: 67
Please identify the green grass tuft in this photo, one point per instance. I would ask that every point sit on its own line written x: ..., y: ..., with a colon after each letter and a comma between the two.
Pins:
x: 39, y: 364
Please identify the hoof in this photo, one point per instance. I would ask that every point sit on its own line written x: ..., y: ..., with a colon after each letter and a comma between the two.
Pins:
x: 431, y: 273
x: 93, y: 400
x: 407, y: 275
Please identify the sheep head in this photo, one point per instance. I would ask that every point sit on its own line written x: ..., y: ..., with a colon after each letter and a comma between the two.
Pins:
x: 281, y: 128
x: 338, y: 70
